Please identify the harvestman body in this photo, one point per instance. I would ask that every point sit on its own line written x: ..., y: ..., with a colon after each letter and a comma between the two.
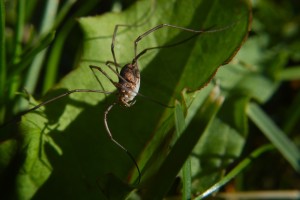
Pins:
x: 129, y: 78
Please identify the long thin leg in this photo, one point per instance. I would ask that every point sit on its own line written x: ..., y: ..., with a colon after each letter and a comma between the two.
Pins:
x: 105, y: 74
x: 63, y: 95
x: 164, y: 46
x: 112, y: 69
x: 113, y: 45
x: 175, y: 27
x: 50, y: 101
x: 112, y: 62
x: 97, y: 79
x: 117, y: 143
x: 114, y: 40
x: 99, y: 69
x: 129, y: 26
x: 153, y: 100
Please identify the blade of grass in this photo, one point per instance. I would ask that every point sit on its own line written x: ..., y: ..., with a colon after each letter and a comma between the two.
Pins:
x: 183, y: 147
x: 265, y: 194
x: 285, y: 146
x: 35, y: 68
x: 17, y: 46
x: 235, y: 171
x: 186, y: 170
x: 19, y: 30
x: 288, y: 74
x: 187, y: 180
x: 30, y: 55
x: 46, y: 26
x: 2, y: 62
x: 56, y: 50
x: 64, y: 11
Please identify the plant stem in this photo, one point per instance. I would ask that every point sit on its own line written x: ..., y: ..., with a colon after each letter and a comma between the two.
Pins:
x: 2, y: 62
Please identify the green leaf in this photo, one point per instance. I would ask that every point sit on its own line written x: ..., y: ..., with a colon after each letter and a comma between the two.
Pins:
x: 80, y: 151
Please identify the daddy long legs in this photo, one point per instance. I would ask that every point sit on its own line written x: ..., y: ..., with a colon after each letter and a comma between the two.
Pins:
x: 128, y: 78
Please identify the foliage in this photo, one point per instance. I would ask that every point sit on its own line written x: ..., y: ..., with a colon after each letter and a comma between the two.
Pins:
x: 62, y: 150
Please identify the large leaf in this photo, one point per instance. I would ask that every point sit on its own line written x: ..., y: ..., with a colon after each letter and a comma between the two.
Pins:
x: 65, y: 150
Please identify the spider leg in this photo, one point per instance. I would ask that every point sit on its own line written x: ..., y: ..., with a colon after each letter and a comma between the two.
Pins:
x: 117, y: 143
x: 17, y: 118
x: 63, y: 95
x: 136, y: 24
x: 113, y: 43
x: 97, y: 79
x: 105, y: 74
x: 112, y: 62
x: 197, y: 32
